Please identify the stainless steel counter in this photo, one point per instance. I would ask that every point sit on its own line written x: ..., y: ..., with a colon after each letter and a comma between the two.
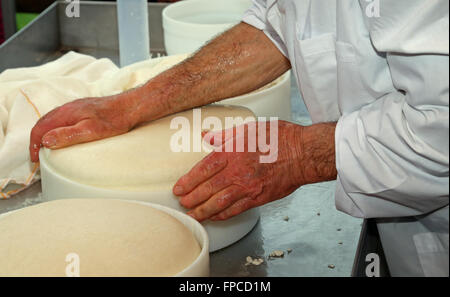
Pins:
x: 306, y: 221
x: 316, y: 241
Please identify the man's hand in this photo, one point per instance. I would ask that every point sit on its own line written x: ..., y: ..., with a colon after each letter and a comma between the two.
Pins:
x: 224, y: 184
x: 81, y: 121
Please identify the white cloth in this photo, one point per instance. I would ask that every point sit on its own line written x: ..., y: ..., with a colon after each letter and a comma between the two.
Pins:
x: 381, y: 69
x: 28, y: 93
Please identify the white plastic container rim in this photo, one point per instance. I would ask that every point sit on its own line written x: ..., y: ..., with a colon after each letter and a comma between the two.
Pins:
x: 200, y: 267
x: 172, y: 13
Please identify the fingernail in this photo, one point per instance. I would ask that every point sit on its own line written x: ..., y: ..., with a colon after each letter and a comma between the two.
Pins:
x: 34, y: 158
x: 49, y: 141
x: 178, y: 190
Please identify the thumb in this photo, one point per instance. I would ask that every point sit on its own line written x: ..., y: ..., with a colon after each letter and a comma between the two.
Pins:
x: 84, y: 131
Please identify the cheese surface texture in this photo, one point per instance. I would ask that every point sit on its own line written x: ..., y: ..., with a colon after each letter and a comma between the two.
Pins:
x: 94, y: 237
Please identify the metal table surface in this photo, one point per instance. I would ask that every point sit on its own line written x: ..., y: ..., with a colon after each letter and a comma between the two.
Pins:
x: 306, y: 222
x: 317, y: 241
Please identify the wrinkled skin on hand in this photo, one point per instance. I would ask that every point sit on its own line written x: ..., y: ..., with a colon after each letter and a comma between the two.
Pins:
x: 225, y: 184
x: 80, y: 121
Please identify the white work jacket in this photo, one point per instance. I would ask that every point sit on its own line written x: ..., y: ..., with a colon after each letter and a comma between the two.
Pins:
x: 380, y: 69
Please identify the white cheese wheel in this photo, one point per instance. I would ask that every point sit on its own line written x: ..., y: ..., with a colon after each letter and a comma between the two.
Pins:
x: 142, y: 159
x: 94, y: 237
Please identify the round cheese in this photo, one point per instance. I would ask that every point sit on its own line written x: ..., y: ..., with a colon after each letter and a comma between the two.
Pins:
x: 94, y: 237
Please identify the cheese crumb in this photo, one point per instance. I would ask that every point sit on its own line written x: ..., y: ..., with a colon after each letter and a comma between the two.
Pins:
x: 277, y: 254
x: 251, y: 261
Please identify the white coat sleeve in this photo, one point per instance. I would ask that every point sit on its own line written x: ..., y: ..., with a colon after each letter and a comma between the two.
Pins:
x: 256, y: 16
x: 393, y: 155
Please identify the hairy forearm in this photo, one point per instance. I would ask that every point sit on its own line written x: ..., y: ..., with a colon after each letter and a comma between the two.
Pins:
x: 239, y: 61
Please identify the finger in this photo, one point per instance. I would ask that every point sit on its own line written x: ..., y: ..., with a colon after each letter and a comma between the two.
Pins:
x: 237, y: 208
x: 84, y: 131
x: 217, y: 203
x: 205, y: 190
x: 206, y: 168
x: 52, y: 120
